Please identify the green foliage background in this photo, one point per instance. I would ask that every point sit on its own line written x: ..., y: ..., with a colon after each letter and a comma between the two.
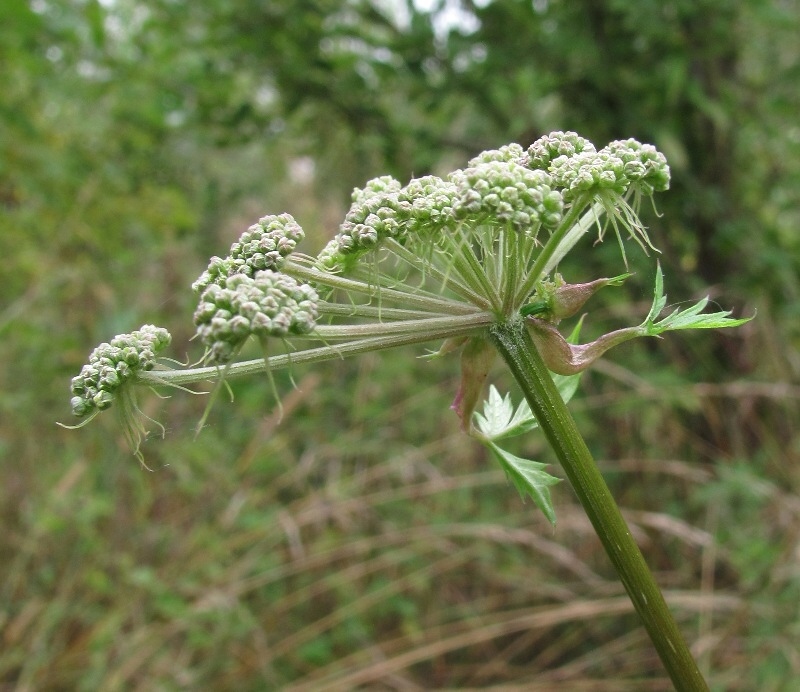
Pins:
x: 363, y: 541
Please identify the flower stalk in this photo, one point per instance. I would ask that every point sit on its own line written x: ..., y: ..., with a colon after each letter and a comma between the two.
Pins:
x: 521, y: 356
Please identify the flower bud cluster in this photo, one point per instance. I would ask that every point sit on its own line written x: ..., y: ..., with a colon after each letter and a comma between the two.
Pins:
x: 112, y: 364
x: 523, y: 188
x: 589, y: 170
x: 508, y: 152
x: 265, y: 245
x: 643, y: 164
x: 510, y: 193
x: 386, y: 209
x: 431, y: 201
x: 549, y: 147
x: 267, y: 304
x: 377, y: 187
x: 576, y: 166
x: 375, y: 214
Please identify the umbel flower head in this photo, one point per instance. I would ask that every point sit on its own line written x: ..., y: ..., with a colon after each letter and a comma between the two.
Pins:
x: 485, y: 239
x: 269, y: 304
x: 439, y: 258
x: 113, y: 364
x: 111, y: 375
x: 548, y: 187
x: 265, y: 245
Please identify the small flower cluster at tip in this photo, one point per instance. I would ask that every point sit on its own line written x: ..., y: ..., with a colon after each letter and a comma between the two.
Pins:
x: 589, y: 171
x: 432, y: 201
x: 375, y: 213
x: 267, y: 304
x: 112, y: 364
x: 265, y: 245
x: 643, y: 164
x: 377, y: 187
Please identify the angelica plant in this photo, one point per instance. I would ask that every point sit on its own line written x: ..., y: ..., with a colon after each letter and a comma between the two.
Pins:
x: 469, y: 260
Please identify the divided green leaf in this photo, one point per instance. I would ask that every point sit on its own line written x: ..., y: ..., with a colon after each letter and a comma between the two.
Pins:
x: 690, y: 318
x: 500, y: 420
x: 529, y: 478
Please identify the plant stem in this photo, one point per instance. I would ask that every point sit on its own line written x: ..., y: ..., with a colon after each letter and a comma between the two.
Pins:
x: 567, y: 223
x: 516, y: 347
x: 467, y: 325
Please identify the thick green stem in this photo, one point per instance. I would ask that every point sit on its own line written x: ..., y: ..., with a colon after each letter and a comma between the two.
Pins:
x: 516, y: 347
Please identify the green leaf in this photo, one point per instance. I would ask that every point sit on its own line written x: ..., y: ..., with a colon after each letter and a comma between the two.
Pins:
x: 499, y: 419
x: 529, y: 478
x: 659, y: 299
x: 691, y: 318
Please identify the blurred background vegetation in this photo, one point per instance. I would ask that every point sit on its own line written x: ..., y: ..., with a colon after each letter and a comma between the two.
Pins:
x: 364, y: 543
